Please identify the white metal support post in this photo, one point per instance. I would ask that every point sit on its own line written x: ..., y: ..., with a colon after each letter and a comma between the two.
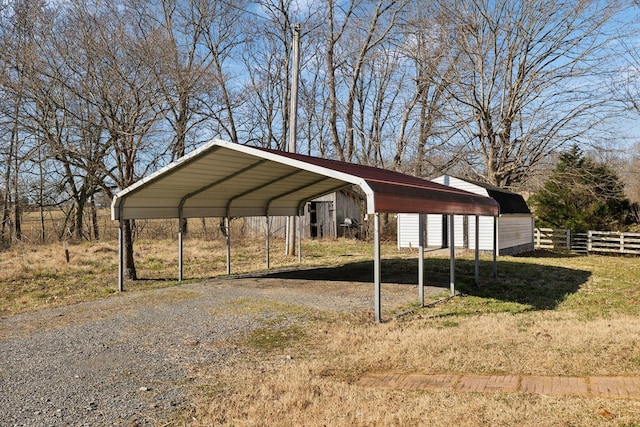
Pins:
x: 228, y: 243
x: 495, y: 247
x: 421, y: 259
x: 180, y: 231
x: 452, y: 256
x: 376, y: 265
x: 266, y: 232
x: 477, y: 247
x: 120, y: 256
x: 299, y: 236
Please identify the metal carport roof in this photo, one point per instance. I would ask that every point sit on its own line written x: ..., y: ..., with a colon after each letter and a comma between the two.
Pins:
x: 224, y: 179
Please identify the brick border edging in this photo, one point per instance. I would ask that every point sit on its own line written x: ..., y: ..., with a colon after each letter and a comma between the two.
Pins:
x: 607, y: 387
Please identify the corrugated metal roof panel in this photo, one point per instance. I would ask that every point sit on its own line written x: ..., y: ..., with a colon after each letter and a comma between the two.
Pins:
x: 222, y: 178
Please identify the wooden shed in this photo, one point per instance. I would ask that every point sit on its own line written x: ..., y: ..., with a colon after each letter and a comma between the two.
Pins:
x: 514, y: 225
x: 338, y: 214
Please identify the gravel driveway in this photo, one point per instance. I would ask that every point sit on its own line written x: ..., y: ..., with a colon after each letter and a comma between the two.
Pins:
x: 124, y: 360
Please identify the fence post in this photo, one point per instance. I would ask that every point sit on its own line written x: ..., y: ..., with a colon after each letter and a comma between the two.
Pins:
x: 621, y: 243
x: 568, y: 240
x: 589, y: 237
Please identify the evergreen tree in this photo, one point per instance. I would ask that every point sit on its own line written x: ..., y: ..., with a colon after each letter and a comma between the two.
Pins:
x: 582, y: 195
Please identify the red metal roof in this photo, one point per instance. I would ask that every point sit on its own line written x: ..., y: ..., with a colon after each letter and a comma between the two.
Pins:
x: 401, y: 193
x: 227, y: 179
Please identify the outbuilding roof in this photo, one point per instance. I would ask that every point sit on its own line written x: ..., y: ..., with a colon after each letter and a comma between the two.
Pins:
x: 510, y: 202
x: 227, y: 179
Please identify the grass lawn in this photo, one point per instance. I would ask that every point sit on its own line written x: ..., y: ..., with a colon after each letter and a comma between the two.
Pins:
x: 546, y: 314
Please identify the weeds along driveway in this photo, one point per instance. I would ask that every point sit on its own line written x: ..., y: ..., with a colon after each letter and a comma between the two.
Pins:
x: 125, y: 360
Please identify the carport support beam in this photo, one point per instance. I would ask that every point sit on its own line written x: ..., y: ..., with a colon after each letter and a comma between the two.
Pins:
x: 228, y: 243
x: 376, y: 265
x: 299, y: 238
x: 477, y: 237
x: 452, y: 256
x: 180, y: 230
x: 266, y: 231
x: 421, y: 259
x: 120, y: 256
x: 495, y: 247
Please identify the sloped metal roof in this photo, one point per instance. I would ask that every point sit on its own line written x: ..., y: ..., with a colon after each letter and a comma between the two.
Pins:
x: 227, y: 179
x: 509, y: 202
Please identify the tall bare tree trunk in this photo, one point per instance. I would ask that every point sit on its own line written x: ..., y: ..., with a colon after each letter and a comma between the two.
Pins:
x: 17, y: 228
x: 6, y: 200
x: 94, y: 218
x: 129, y: 263
x: 78, y: 220
x: 41, y: 195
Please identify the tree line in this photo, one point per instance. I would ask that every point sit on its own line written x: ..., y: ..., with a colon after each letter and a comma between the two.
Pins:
x: 97, y: 94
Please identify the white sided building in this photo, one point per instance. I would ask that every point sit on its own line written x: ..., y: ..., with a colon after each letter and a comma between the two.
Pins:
x: 515, y: 223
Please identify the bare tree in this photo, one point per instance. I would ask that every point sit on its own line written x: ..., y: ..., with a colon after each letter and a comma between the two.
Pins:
x: 267, y: 58
x: 22, y: 21
x: 113, y: 65
x: 313, y: 101
x: 425, y: 127
x: 53, y: 118
x: 376, y: 106
x: 183, y: 72
x: 222, y: 26
x: 528, y: 79
x: 353, y: 31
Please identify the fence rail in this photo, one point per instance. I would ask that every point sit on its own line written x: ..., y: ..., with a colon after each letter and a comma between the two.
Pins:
x: 623, y: 243
x: 552, y: 238
x: 589, y: 242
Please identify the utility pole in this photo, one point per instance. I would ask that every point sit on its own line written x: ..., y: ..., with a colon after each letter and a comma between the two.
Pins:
x: 293, y: 115
x: 293, y: 121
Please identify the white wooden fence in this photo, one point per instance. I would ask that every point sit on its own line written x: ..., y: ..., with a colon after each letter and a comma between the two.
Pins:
x: 589, y: 242
x: 552, y: 238
x: 622, y: 243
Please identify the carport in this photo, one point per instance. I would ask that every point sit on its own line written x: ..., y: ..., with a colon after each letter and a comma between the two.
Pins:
x: 224, y: 179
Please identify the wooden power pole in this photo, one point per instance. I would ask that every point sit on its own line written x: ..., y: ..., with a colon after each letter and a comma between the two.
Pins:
x: 293, y: 121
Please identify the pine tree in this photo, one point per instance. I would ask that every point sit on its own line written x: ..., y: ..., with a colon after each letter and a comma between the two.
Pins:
x: 582, y: 195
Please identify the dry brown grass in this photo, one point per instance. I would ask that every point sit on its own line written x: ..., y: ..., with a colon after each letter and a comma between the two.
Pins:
x: 33, y: 277
x: 299, y: 396
x: 545, y: 315
x: 591, y: 331
x: 38, y: 276
x: 316, y: 385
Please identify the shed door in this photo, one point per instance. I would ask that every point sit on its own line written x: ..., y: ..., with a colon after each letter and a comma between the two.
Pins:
x: 321, y: 219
